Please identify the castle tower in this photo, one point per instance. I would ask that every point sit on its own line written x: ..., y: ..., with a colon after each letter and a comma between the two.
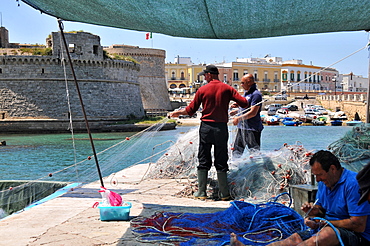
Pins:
x: 81, y: 45
x: 4, y: 37
x: 153, y: 86
x: 34, y: 86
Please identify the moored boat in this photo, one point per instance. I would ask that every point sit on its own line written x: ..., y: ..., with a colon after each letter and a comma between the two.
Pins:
x: 272, y: 120
x: 353, y: 123
x: 319, y: 121
x: 287, y: 121
x: 336, y: 122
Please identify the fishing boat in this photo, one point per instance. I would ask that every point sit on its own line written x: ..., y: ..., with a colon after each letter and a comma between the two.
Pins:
x: 272, y: 120
x: 336, y: 122
x: 354, y: 123
x: 288, y: 121
x: 319, y: 121
x: 307, y: 118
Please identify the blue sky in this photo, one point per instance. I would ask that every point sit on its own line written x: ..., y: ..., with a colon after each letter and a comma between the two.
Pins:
x: 27, y: 25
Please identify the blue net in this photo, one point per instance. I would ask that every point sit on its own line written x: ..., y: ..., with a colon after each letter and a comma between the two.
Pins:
x: 254, y: 224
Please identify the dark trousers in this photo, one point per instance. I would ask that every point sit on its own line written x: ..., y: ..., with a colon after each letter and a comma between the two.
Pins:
x: 217, y: 135
x: 244, y: 138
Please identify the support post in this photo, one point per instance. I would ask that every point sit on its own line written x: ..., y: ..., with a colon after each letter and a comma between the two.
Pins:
x: 81, y: 101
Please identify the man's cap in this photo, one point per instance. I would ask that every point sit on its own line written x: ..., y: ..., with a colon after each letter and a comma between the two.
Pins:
x: 363, y: 179
x: 210, y: 69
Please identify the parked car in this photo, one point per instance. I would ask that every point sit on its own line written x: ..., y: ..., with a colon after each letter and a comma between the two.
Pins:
x: 281, y: 97
x: 271, y: 111
x: 283, y: 110
x: 292, y: 107
x: 309, y: 111
x: 273, y: 106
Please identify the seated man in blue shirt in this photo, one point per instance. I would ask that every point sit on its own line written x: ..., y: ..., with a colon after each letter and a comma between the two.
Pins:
x: 337, y: 201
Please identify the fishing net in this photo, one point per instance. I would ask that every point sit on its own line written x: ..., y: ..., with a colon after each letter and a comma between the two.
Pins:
x: 254, y: 224
x: 257, y: 176
x: 353, y: 150
x: 15, y: 196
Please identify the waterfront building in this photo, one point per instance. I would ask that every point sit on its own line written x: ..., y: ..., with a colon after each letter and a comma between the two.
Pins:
x: 182, y: 76
x: 266, y: 72
x: 271, y: 74
x: 329, y: 80
x: 352, y: 83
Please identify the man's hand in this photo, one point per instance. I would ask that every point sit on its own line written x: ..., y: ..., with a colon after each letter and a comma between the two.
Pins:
x: 314, y: 224
x: 177, y: 113
x: 234, y: 112
x: 236, y: 120
x: 310, y: 209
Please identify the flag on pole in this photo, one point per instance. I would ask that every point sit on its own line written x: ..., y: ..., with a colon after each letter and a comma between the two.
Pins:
x: 148, y: 35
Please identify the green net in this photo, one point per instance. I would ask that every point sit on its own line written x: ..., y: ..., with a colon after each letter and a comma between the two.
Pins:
x: 233, y: 19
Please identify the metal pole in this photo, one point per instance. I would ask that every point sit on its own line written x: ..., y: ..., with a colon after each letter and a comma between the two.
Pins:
x: 368, y: 95
x: 82, y: 105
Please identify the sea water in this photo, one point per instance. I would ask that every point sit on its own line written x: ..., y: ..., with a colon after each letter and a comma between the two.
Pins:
x: 30, y: 156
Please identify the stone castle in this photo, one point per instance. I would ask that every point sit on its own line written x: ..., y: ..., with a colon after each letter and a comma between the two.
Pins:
x: 36, y: 86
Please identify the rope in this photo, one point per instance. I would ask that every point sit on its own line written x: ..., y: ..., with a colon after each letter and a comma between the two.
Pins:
x: 333, y: 227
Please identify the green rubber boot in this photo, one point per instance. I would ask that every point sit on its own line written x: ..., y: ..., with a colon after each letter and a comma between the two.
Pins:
x: 202, y: 185
x: 223, y: 186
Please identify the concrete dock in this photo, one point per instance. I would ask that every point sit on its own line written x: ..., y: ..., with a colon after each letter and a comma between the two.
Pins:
x: 70, y: 218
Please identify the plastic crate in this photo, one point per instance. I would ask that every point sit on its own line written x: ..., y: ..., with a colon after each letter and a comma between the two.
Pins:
x: 115, y: 212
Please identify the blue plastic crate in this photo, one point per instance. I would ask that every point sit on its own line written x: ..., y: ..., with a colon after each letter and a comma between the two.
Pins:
x: 115, y: 212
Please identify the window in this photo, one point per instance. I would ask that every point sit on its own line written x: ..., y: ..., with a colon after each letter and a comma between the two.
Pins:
x: 245, y: 72
x: 1, y: 70
x: 235, y: 75
x: 225, y: 77
x: 182, y: 75
x: 285, y: 75
x: 96, y: 49
x: 71, y: 48
x: 173, y: 75
x: 292, y: 76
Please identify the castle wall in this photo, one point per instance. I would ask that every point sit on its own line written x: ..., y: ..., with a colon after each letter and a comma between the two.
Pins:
x: 153, y: 85
x: 35, y: 87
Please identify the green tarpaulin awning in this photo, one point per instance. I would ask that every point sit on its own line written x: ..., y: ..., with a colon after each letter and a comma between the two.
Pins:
x: 215, y: 19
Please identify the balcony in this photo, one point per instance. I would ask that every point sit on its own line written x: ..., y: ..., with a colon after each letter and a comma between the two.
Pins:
x: 266, y: 80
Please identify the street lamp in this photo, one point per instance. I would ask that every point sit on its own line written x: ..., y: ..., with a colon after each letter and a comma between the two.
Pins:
x: 334, y: 79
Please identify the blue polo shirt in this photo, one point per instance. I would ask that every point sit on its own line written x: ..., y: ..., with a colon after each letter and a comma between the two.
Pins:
x: 254, y: 97
x: 341, y: 202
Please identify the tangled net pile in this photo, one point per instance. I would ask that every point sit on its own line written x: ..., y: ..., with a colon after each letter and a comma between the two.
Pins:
x: 254, y: 224
x: 353, y: 150
x: 255, y: 177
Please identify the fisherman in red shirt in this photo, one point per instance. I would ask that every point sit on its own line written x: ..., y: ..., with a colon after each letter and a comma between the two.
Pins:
x: 215, y: 98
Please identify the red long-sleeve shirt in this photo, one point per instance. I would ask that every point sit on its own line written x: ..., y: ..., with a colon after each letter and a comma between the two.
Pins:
x: 215, y: 98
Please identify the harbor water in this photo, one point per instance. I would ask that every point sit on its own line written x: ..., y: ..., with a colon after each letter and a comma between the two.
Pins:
x: 29, y: 157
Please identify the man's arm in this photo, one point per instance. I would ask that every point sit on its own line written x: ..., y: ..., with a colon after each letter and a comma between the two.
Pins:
x: 354, y: 223
x: 251, y: 113
x: 177, y: 113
